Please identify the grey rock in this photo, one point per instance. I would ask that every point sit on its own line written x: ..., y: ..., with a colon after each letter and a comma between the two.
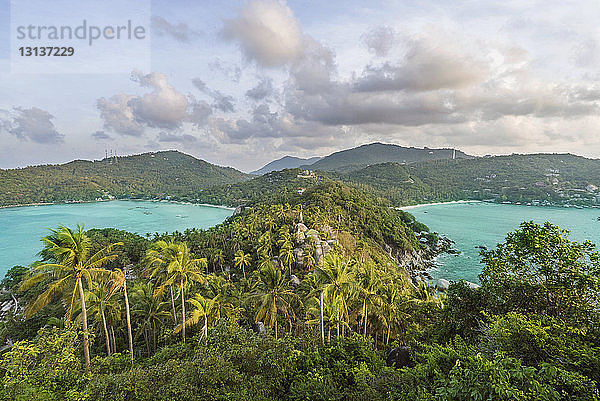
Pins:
x: 442, y: 284
x: 400, y: 358
x: 259, y: 328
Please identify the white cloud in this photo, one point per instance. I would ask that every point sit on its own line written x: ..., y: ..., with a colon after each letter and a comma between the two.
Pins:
x: 267, y: 33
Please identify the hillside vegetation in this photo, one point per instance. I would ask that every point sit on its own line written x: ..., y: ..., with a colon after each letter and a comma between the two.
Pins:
x: 539, y: 178
x: 146, y: 175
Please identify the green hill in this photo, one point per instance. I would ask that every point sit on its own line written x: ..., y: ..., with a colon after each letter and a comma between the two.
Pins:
x: 146, y: 175
x: 376, y: 153
x: 539, y: 178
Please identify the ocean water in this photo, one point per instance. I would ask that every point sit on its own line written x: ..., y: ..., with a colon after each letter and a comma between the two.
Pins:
x: 486, y: 224
x: 21, y: 228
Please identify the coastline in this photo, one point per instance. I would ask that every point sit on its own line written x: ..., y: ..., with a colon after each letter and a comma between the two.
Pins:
x: 436, y: 203
x: 112, y: 200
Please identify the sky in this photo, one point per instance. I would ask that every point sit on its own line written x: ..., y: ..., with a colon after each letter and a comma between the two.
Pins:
x: 241, y: 83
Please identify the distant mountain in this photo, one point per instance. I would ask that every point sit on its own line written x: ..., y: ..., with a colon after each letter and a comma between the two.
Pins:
x: 145, y: 175
x: 376, y: 153
x: 283, y: 163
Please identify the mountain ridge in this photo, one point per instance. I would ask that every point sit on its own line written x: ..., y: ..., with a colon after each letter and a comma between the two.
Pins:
x: 284, y: 163
x: 377, y: 153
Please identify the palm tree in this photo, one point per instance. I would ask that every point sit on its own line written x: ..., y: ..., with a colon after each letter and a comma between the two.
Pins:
x: 242, y: 260
x: 180, y: 266
x: 368, y: 284
x: 99, y: 304
x: 149, y: 309
x: 308, y: 257
x: 273, y: 295
x: 335, y: 278
x: 119, y: 282
x: 287, y: 256
x: 204, y: 307
x: 69, y: 251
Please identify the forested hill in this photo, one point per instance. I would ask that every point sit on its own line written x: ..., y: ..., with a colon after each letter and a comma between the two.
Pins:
x: 376, y: 153
x: 146, y: 175
x: 538, y: 178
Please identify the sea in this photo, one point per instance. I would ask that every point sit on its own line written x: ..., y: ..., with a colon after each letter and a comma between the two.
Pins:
x: 473, y: 226
x: 21, y: 228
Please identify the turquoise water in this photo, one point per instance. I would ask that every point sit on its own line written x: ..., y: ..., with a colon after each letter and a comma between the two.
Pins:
x: 475, y: 224
x: 22, y: 227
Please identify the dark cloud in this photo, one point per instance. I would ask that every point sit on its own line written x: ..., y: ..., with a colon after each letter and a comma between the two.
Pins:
x: 170, y: 137
x: 379, y: 41
x: 181, y: 31
x: 224, y: 103
x: 264, y: 89
x: 101, y: 136
x: 33, y: 124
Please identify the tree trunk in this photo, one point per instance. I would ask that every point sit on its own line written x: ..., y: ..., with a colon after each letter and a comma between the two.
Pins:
x: 114, y: 339
x: 365, y: 316
x: 105, y: 332
x: 182, y: 314
x: 173, y: 306
x: 128, y: 319
x: 205, y: 329
x: 321, y: 320
x: 276, y: 327
x: 86, y: 343
x: 146, y: 341
x: 154, y: 337
x: 338, y: 323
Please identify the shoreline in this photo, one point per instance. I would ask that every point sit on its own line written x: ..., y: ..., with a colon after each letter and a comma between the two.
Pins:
x: 112, y: 200
x: 409, y: 207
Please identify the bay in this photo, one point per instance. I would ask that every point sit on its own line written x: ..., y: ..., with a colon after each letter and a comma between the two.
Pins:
x: 473, y: 225
x: 21, y: 228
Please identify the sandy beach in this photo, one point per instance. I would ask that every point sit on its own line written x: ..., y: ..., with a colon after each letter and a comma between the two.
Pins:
x: 436, y: 203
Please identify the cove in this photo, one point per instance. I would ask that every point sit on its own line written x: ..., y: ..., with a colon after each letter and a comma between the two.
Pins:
x: 473, y: 225
x: 21, y: 228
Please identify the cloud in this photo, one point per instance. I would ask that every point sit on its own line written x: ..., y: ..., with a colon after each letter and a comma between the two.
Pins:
x: 101, y: 136
x: 170, y: 137
x: 180, y: 32
x: 266, y: 124
x: 267, y: 32
x: 264, y: 89
x: 379, y: 41
x: 231, y: 71
x: 118, y: 115
x: 224, y: 103
x: 33, y: 124
x: 431, y: 62
x: 199, y: 113
x: 164, y: 107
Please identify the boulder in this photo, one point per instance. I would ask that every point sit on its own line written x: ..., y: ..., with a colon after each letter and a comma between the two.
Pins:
x: 301, y: 228
x: 259, y: 328
x: 294, y: 280
x: 400, y: 358
x: 442, y: 284
x: 472, y: 285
